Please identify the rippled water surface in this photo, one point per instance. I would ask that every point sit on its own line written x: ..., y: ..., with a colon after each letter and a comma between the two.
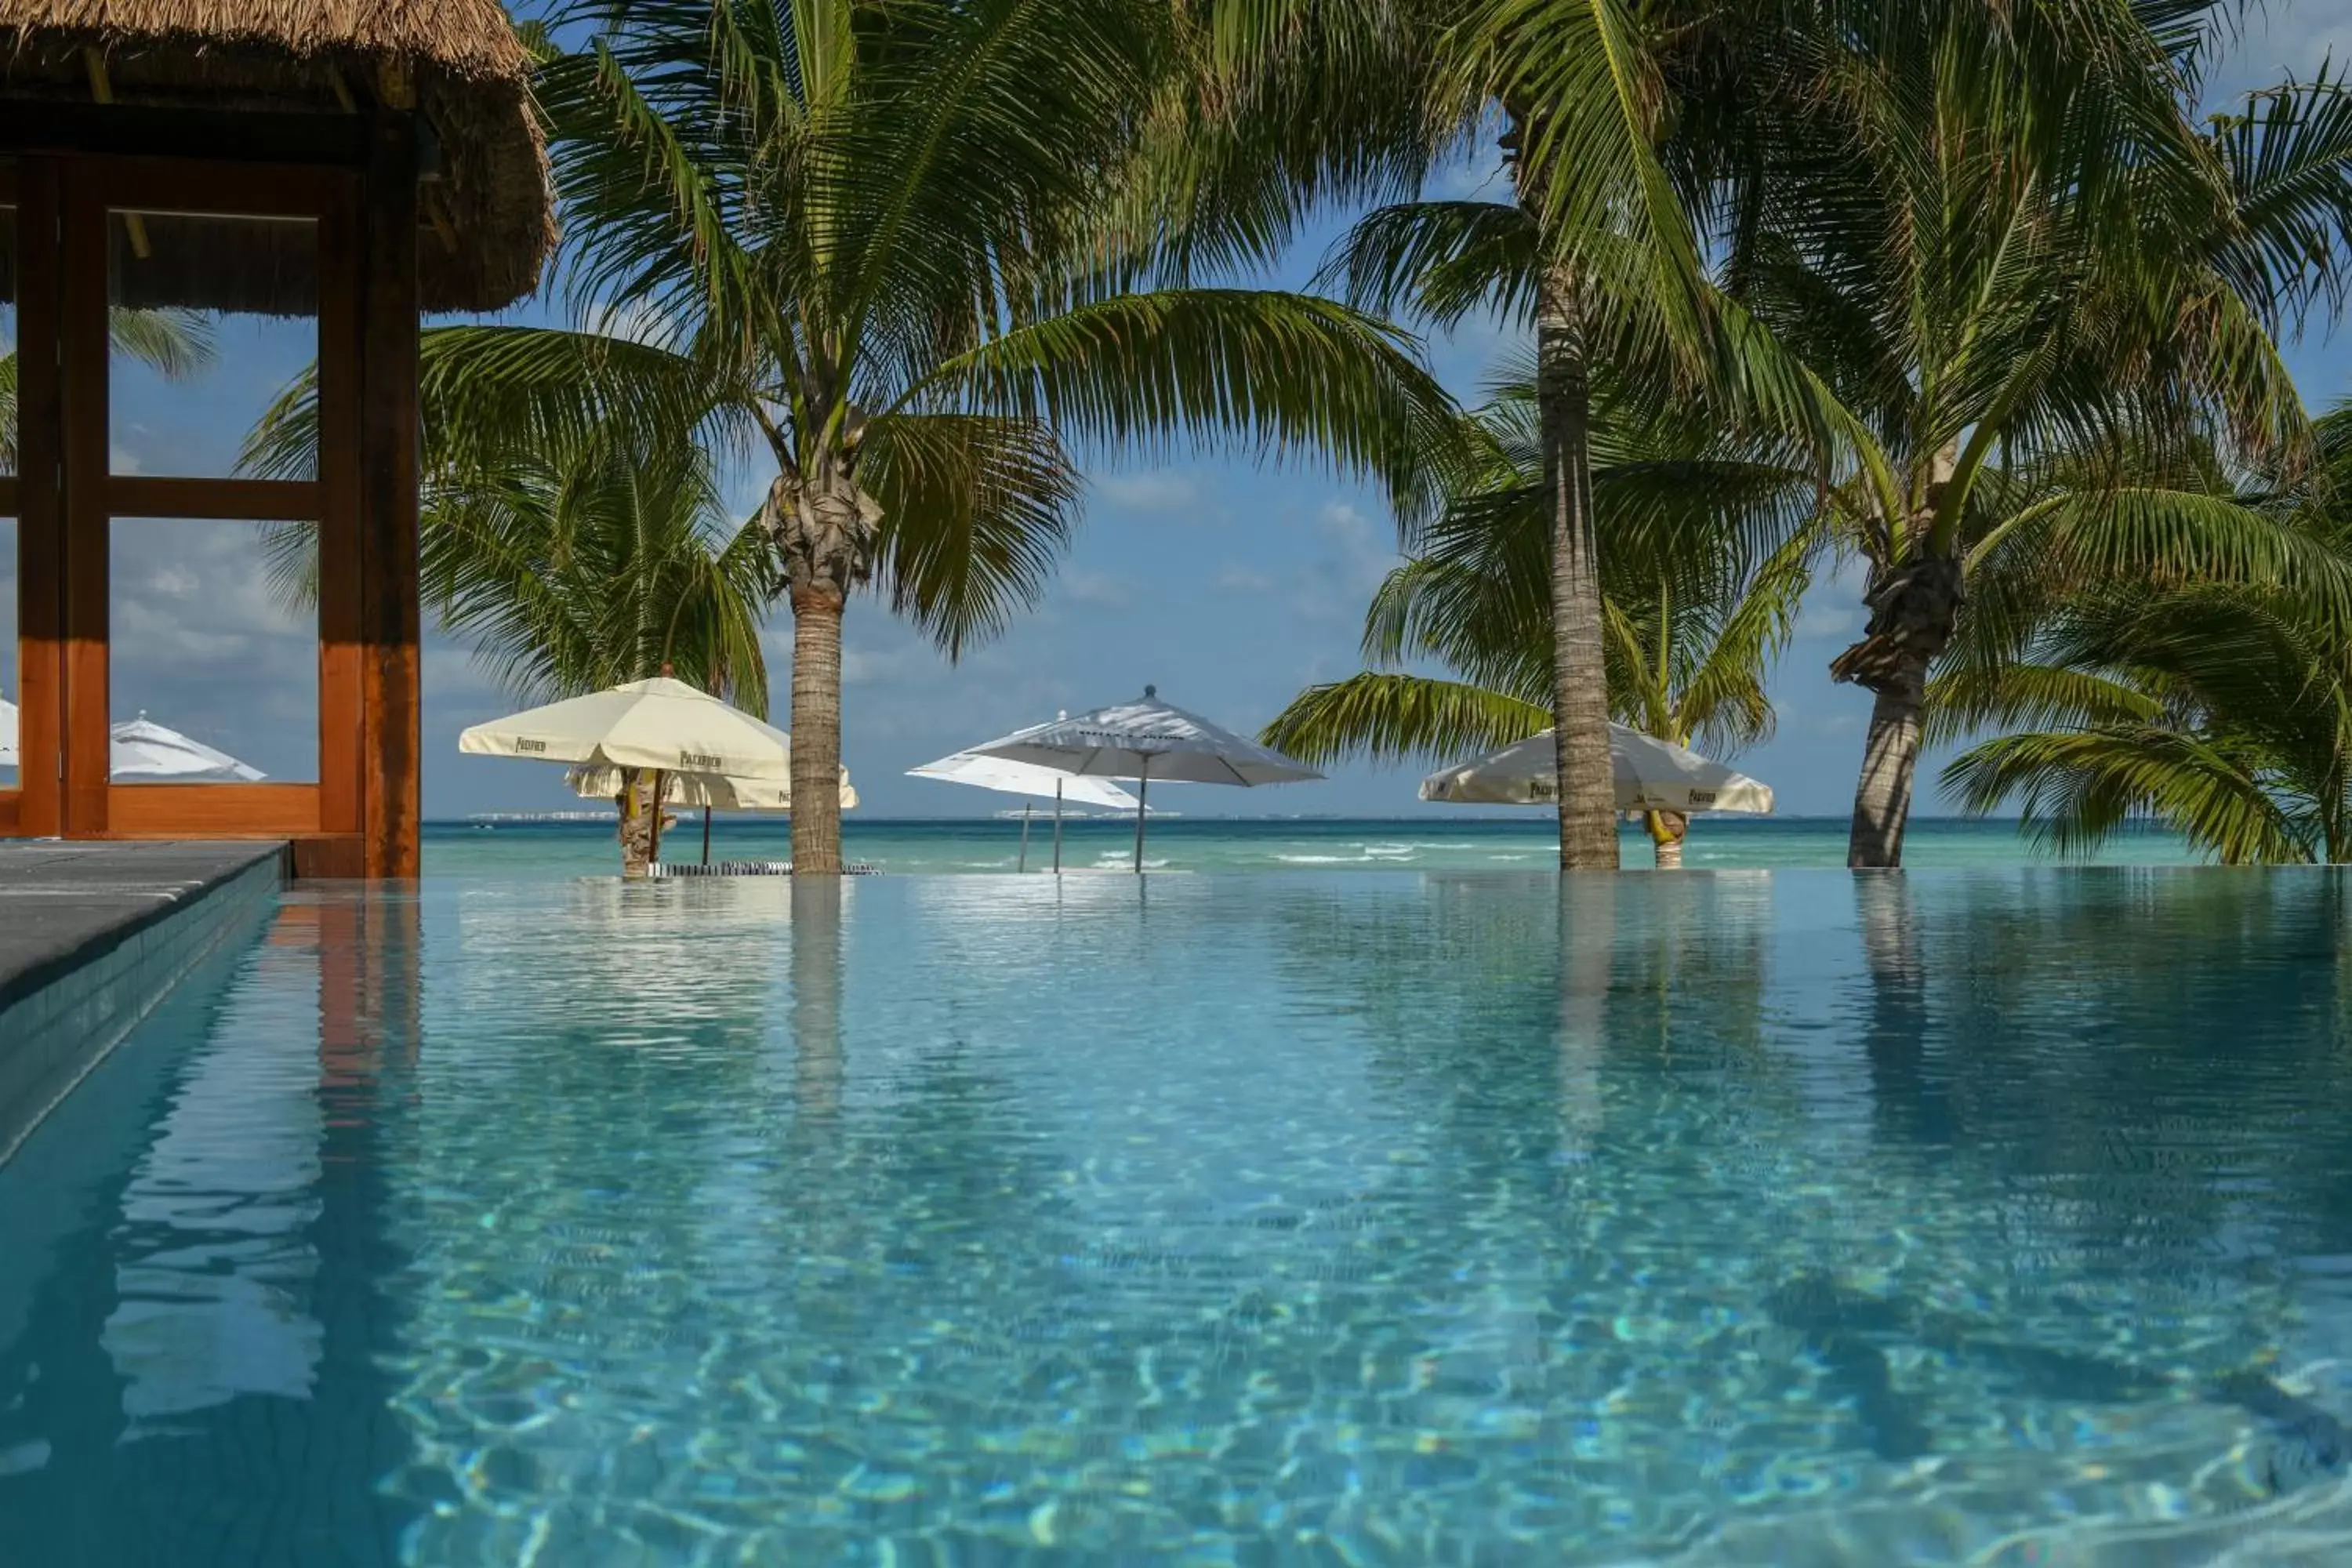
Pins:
x: 1995, y: 1218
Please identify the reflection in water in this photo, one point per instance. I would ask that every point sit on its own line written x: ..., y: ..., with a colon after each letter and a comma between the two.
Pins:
x: 214, y: 1267
x: 217, y: 1299
x: 817, y: 994
x: 1712, y: 1219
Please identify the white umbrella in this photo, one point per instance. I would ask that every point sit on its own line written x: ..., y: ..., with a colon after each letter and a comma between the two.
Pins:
x: 1650, y: 775
x: 1010, y: 777
x: 1147, y: 740
x: 712, y: 792
x: 7, y: 734
x: 663, y: 725
x: 142, y: 750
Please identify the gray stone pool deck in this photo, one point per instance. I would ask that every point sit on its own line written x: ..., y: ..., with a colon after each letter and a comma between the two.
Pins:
x: 91, y: 936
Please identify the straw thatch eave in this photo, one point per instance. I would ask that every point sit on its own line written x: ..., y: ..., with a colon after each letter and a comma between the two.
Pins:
x: 488, y: 221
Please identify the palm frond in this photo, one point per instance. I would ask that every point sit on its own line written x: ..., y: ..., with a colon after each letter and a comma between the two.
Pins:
x: 1395, y: 717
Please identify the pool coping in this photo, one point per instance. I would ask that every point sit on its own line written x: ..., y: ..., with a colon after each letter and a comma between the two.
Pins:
x: 92, y: 937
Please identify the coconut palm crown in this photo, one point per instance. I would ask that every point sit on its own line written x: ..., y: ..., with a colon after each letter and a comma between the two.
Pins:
x: 873, y: 247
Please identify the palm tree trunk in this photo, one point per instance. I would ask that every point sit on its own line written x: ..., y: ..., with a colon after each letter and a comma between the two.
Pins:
x: 1588, y: 815
x: 816, y: 731
x: 1882, y: 797
x: 636, y: 833
x: 1667, y: 831
x: 1915, y: 607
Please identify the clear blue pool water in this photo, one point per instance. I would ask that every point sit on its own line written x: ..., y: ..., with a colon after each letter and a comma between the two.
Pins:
x: 1996, y: 1217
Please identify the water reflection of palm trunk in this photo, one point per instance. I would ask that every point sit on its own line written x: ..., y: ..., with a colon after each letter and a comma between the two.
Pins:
x: 1911, y: 1096
x: 816, y: 994
x: 1588, y: 939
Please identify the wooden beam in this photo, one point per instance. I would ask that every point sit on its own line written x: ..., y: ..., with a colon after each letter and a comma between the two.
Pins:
x: 232, y: 500
x: 212, y: 810
x: 395, y: 85
x: 342, y: 703
x: 40, y: 538
x: 131, y: 129
x: 388, y: 478
x: 103, y: 90
x: 437, y: 208
x: 82, y: 339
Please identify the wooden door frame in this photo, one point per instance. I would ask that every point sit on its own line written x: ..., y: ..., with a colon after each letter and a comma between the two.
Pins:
x: 65, y: 657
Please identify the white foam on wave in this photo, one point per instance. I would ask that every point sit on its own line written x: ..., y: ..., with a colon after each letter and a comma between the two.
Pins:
x: 1317, y: 859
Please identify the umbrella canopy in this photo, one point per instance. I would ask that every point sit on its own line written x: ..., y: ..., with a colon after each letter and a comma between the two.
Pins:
x: 658, y: 724
x: 715, y: 791
x: 139, y: 750
x: 1143, y: 741
x: 1651, y: 776
x: 1024, y: 778
x: 1148, y: 740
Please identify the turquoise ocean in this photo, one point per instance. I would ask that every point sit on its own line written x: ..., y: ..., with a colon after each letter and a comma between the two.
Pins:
x: 985, y: 845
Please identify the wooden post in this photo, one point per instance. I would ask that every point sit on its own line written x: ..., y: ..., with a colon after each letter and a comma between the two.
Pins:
x: 88, y: 531
x: 40, y: 524
x: 343, y: 702
x: 388, y: 477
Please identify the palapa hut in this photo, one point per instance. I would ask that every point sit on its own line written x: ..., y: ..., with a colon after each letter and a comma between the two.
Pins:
x: 344, y: 162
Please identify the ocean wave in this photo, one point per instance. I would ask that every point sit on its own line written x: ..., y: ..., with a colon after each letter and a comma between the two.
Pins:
x: 1317, y: 859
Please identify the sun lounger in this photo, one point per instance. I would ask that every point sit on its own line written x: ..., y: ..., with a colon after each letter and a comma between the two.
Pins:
x: 751, y: 868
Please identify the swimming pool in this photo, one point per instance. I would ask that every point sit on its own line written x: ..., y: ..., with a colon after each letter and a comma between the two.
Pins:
x: 1998, y: 1216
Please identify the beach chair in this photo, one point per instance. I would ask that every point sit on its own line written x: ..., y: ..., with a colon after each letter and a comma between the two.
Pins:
x: 751, y: 868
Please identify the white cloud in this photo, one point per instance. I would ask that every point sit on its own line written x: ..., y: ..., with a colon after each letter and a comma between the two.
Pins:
x: 1826, y: 621
x: 1242, y: 580
x: 2283, y: 39
x: 1098, y: 589
x: 634, y: 321
x: 1156, y: 489
x: 122, y: 459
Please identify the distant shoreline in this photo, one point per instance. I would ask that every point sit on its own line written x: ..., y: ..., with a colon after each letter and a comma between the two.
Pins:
x: 1523, y: 820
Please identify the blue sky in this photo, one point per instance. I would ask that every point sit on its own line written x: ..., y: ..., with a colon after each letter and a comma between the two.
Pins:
x: 1228, y: 585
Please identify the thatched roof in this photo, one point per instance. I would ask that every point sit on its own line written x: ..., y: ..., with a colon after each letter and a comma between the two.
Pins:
x: 486, y: 220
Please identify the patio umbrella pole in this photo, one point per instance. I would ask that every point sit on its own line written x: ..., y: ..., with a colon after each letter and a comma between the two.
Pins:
x: 1023, y: 864
x: 1057, y: 827
x: 1142, y: 799
x: 660, y: 788
x: 706, y: 835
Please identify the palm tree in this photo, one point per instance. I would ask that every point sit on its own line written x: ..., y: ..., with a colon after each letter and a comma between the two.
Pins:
x: 2224, y: 713
x: 875, y: 246
x: 579, y: 567
x: 1706, y: 550
x: 1999, y: 252
x: 2221, y: 708
x: 1595, y: 250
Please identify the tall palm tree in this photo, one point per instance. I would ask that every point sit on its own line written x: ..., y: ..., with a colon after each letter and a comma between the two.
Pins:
x: 876, y: 246
x: 1595, y: 250
x: 1706, y: 550
x: 1998, y: 249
